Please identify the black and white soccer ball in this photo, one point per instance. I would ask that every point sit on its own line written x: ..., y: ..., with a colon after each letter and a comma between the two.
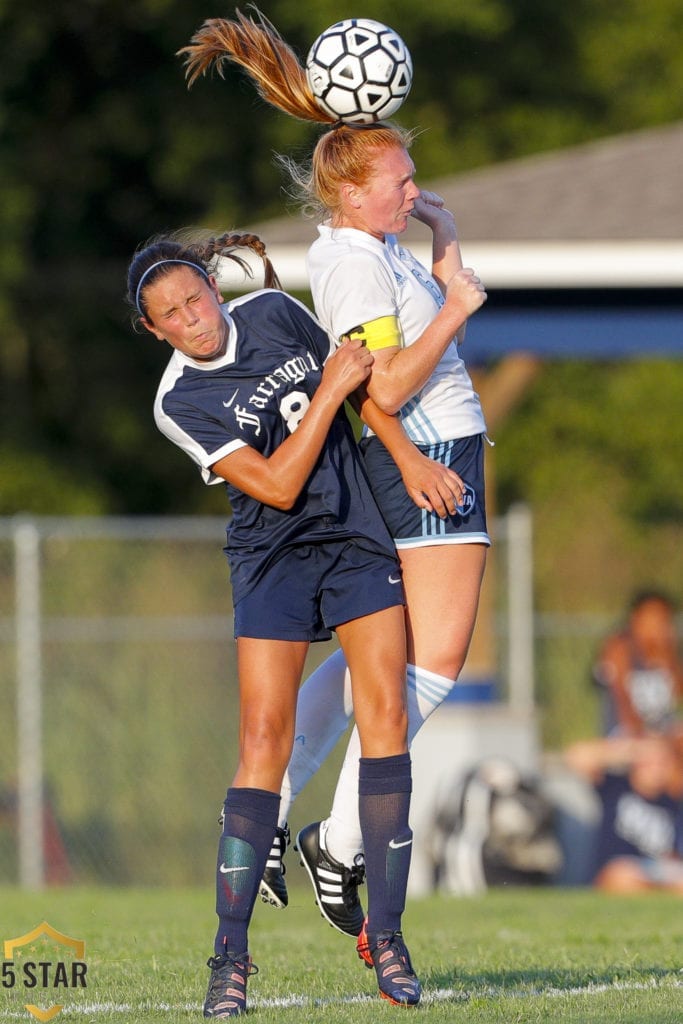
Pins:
x: 359, y: 70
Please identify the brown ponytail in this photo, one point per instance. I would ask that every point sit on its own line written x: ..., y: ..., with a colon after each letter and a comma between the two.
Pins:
x: 224, y: 246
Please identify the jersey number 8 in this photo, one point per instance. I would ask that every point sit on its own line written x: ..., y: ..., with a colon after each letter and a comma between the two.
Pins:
x: 293, y: 408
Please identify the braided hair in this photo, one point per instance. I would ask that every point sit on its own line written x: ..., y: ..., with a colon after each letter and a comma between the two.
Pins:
x: 344, y: 153
x: 158, y: 256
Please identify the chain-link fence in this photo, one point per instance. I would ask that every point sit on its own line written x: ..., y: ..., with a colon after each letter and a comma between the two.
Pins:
x: 119, y: 693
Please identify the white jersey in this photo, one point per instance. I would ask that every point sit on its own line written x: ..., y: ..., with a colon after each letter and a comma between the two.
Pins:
x: 356, y: 278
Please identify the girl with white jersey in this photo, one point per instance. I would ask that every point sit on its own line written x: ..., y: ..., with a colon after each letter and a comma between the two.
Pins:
x: 351, y: 272
x: 366, y: 285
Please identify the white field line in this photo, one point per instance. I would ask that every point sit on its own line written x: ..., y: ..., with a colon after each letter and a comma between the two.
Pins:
x: 672, y: 981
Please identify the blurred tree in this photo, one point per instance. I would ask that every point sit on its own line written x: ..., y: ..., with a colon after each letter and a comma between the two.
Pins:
x: 595, y: 450
x: 101, y: 146
x: 631, y: 61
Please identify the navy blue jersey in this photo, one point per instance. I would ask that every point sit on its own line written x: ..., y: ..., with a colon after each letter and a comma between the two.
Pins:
x: 256, y: 394
x: 633, y: 825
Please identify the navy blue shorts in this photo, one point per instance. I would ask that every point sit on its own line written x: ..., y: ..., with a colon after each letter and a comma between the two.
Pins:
x: 312, y: 588
x: 413, y: 527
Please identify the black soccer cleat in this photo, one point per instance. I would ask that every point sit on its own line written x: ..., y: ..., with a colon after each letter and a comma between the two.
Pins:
x: 273, y: 888
x: 335, y: 885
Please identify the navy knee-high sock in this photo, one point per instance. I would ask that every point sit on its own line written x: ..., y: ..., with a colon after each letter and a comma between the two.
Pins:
x: 250, y: 820
x: 384, y: 788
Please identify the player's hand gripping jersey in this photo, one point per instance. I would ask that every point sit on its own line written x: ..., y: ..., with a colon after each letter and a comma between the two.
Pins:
x: 256, y: 394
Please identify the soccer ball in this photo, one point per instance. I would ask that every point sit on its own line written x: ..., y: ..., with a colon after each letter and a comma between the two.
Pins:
x: 359, y: 71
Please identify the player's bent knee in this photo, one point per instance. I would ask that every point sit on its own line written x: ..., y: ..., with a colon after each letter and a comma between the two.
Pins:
x: 265, y: 743
x: 383, y: 730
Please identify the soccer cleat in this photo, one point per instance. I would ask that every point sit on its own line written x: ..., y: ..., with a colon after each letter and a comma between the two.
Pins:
x: 335, y: 885
x: 273, y: 888
x: 363, y: 946
x: 227, y: 993
x: 397, y: 981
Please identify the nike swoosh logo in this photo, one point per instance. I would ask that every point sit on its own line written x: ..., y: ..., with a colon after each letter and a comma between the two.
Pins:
x: 391, y: 578
x: 224, y: 869
x: 228, y: 404
x: 393, y: 845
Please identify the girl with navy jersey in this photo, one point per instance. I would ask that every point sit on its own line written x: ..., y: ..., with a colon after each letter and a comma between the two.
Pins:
x: 365, y: 284
x: 253, y: 393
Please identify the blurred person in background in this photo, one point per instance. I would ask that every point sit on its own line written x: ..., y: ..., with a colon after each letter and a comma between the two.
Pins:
x: 639, y: 670
x: 638, y: 781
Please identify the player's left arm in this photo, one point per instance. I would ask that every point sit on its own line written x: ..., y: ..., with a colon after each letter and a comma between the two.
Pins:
x: 429, y: 209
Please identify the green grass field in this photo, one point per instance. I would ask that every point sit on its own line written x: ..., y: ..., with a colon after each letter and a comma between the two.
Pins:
x: 510, y: 955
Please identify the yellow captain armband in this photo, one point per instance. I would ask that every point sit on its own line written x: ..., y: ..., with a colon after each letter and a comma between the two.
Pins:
x: 384, y: 332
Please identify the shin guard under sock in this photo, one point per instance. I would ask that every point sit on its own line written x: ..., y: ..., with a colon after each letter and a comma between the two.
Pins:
x: 385, y: 784
x: 250, y: 820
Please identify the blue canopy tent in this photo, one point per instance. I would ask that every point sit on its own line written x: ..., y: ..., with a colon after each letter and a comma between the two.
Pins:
x: 578, y: 324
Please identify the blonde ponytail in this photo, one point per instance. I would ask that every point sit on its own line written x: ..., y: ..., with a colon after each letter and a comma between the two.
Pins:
x: 258, y: 48
x: 343, y: 153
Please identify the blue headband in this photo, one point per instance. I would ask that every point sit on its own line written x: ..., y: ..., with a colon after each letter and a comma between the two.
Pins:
x: 160, y: 263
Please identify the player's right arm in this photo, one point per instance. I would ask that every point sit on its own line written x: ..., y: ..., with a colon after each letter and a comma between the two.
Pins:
x: 615, y: 664
x: 400, y: 372
x: 278, y: 479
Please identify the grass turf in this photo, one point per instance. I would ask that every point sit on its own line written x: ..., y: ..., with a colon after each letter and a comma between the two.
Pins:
x: 508, y: 956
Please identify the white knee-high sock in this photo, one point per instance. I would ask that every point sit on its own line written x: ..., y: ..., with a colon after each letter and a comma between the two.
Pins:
x: 323, y: 711
x: 426, y: 690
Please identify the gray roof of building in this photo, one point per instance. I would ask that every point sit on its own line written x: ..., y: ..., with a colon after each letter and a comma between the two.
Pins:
x: 623, y: 187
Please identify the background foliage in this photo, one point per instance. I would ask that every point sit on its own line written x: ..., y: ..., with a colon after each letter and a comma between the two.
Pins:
x: 101, y: 145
